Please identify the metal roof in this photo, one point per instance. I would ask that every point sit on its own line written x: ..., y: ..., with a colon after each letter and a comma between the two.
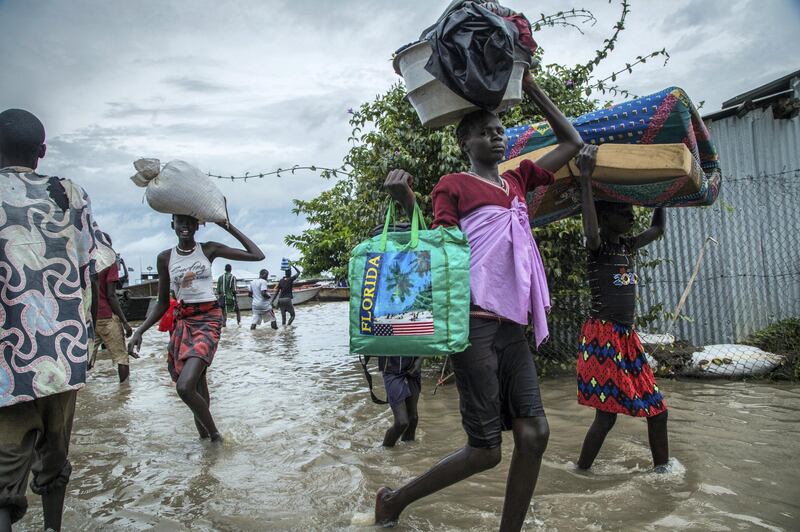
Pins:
x: 759, y: 97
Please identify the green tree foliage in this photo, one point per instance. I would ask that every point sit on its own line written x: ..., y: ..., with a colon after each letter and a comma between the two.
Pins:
x: 782, y: 338
x: 387, y: 134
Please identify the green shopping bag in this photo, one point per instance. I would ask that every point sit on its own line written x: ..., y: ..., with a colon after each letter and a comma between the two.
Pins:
x: 409, y: 291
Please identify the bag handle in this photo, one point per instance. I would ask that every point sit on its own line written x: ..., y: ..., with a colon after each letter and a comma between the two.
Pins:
x: 417, y: 220
x: 375, y: 399
x: 390, y: 216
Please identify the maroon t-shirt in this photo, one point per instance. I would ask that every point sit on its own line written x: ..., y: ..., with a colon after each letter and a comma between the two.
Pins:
x: 109, y: 275
x: 456, y: 195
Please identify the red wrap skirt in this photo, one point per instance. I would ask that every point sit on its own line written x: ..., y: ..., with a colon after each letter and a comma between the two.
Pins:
x: 196, y: 334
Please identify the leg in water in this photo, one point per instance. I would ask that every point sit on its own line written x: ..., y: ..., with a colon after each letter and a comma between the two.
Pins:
x: 464, y: 463
x: 530, y: 441
x: 187, y: 386
x: 601, y: 426
x: 202, y: 389
x: 124, y: 371
x: 399, y: 427
x: 659, y: 441
x: 413, y: 417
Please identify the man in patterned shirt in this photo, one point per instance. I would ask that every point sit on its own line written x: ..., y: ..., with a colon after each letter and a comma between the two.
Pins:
x: 49, y: 252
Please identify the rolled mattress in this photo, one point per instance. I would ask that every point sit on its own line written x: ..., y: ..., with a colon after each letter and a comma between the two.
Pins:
x: 661, y: 175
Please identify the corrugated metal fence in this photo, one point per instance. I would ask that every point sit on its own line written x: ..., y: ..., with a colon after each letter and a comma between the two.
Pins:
x: 752, y: 277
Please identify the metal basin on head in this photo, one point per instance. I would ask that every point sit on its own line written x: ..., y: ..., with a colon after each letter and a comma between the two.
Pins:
x: 435, y: 104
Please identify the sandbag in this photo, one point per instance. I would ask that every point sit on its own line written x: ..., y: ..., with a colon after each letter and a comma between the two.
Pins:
x: 666, y: 117
x: 180, y: 188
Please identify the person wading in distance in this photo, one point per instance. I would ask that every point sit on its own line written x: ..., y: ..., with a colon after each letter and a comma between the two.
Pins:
x: 262, y: 308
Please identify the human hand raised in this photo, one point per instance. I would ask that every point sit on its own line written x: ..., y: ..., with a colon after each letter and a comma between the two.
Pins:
x: 586, y: 160
x: 398, y: 183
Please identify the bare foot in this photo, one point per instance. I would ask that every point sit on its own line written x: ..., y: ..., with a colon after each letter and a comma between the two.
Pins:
x: 385, y: 515
x: 217, y: 437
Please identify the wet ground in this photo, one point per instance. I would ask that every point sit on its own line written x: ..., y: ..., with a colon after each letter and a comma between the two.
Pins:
x: 302, y: 449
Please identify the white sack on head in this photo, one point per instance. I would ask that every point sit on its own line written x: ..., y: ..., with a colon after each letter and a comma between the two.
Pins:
x: 180, y: 188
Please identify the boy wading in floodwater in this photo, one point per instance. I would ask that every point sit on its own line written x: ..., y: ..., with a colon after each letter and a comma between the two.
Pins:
x: 226, y: 291
x: 613, y: 374
x: 283, y: 292
x: 112, y: 326
x: 496, y: 376
x: 403, y: 383
x: 261, y: 307
x: 186, y: 269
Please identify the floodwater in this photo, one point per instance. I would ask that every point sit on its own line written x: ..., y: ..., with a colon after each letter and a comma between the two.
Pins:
x: 302, y: 450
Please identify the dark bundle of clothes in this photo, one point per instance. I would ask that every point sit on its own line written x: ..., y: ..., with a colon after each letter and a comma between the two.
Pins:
x: 474, y: 50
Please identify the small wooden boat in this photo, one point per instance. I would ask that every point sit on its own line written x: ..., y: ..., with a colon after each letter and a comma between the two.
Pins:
x: 331, y: 293
x: 301, y: 294
x: 135, y: 308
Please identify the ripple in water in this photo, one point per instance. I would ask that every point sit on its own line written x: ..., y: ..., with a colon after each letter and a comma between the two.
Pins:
x: 302, y: 449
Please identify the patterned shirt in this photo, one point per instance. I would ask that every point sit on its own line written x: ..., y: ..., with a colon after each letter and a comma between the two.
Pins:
x: 50, y: 247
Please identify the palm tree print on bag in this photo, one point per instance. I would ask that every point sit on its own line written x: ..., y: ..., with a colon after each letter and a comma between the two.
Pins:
x: 403, y: 296
x: 399, y: 282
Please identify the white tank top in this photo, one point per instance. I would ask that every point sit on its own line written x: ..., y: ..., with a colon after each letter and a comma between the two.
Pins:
x: 190, y: 276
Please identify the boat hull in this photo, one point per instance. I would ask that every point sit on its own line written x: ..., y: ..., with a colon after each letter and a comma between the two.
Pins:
x: 300, y: 296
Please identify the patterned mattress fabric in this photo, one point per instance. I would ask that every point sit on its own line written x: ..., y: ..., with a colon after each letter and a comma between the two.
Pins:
x: 666, y: 117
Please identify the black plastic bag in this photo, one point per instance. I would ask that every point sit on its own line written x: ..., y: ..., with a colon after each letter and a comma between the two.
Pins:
x: 473, y: 54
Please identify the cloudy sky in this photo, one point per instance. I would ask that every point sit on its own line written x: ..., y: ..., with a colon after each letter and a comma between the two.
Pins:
x: 253, y: 85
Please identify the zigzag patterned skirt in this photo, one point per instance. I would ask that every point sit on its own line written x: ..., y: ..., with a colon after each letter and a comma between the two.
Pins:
x: 613, y: 373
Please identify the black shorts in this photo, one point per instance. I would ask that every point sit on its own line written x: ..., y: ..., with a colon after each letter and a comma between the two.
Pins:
x: 496, y: 380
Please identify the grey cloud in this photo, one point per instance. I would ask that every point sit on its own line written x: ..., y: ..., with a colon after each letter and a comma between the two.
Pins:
x: 696, y: 14
x: 253, y: 85
x: 189, y: 84
x: 130, y: 109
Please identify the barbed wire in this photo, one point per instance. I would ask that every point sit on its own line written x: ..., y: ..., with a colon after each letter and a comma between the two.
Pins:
x: 758, y: 177
x: 314, y: 168
x: 726, y: 276
x: 342, y: 171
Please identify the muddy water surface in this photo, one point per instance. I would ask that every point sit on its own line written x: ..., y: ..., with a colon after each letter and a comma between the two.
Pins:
x: 302, y: 450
